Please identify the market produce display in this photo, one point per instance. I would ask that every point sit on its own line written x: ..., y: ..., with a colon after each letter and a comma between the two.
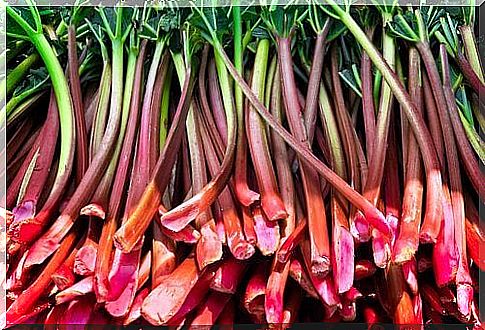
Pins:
x: 268, y: 164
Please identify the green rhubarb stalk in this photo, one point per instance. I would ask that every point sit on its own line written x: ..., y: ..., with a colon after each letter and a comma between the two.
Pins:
x: 376, y: 172
x: 164, y: 107
x: 102, y: 96
x: 20, y: 71
x: 271, y: 202
x: 243, y: 193
x: 475, y: 139
x: 469, y: 41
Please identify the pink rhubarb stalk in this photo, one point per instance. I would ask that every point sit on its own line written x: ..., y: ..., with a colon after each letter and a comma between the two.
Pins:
x: 317, y: 223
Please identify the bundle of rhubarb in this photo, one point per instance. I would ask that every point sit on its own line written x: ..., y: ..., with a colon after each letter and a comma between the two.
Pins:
x: 243, y: 164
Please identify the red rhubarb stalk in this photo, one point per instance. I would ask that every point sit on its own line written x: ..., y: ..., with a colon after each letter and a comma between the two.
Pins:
x: 192, y: 300
x: 135, y: 310
x: 248, y: 226
x: 81, y: 156
x: 291, y: 241
x: 130, y: 232
x: 325, y: 287
x: 204, y: 103
x: 66, y: 117
x: 433, y: 214
x: 382, y: 247
x: 317, y: 223
x: 445, y: 251
x: 433, y: 118
x: 228, y: 276
x: 123, y: 277
x: 371, y: 190
x: 371, y: 213
x: 298, y: 273
x: 407, y: 242
x: 463, y: 279
x: 345, y: 125
x: 254, y: 294
x: 471, y: 164
x: 274, y: 303
x: 85, y: 259
x: 475, y: 235
x: 342, y: 240
x: 216, y: 100
x: 64, y: 276
x: 311, y: 99
x: 36, y: 173
x: 209, y: 247
x: 368, y: 108
x: 236, y: 241
x: 30, y: 296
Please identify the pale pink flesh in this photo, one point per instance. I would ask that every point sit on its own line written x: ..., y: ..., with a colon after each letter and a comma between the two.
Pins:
x: 228, y: 275
x: 464, y: 297
x: 135, y: 310
x: 325, y: 287
x: 85, y: 261
x: 411, y: 275
x: 445, y: 252
x: 172, y: 289
x: 93, y: 210
x: 267, y: 233
x: 343, y: 257
x: 123, y: 281
x: 81, y: 288
x: 209, y: 247
x: 192, y: 300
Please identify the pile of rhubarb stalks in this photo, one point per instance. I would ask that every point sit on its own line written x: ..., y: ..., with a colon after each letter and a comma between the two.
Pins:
x: 229, y: 165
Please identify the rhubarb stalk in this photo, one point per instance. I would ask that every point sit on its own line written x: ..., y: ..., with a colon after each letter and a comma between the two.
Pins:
x: 66, y: 118
x: 49, y: 242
